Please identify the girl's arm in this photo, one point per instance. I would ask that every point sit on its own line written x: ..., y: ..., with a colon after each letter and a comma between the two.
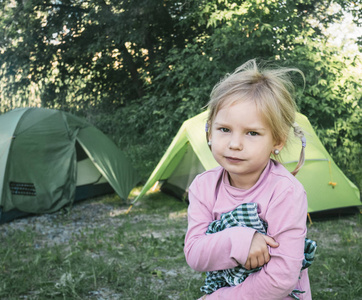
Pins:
x: 221, y: 250
x: 286, y: 216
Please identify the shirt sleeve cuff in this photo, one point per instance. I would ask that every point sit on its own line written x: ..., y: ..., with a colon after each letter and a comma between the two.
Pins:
x: 241, y: 238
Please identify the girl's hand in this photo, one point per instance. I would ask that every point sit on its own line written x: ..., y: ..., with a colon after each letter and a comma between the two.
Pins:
x: 259, y: 253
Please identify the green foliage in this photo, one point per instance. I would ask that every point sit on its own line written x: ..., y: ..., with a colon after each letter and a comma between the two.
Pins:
x: 332, y: 101
x: 138, y: 69
x: 83, y: 54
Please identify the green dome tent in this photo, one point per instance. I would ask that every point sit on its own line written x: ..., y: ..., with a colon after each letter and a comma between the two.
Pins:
x: 188, y: 155
x: 50, y: 158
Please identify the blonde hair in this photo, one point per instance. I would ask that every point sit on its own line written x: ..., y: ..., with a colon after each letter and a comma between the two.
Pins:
x: 270, y: 89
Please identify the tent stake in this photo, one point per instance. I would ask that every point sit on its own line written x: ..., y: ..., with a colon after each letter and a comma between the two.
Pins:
x: 129, y: 209
x: 310, y: 219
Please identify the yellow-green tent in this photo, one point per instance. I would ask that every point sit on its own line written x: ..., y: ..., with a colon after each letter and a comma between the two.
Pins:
x: 188, y: 155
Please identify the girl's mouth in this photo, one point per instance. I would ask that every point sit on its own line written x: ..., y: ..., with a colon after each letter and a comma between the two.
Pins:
x: 234, y: 159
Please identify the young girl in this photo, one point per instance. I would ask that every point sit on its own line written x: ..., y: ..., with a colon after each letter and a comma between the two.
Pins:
x: 251, y: 113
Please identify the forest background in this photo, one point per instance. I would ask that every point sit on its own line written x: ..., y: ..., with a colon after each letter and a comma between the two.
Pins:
x: 137, y: 69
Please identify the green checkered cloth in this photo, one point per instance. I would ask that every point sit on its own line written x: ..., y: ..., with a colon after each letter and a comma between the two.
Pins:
x: 245, y: 215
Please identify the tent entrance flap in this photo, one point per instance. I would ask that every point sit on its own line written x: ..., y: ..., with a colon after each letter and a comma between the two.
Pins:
x: 186, y: 170
x: 90, y: 182
x: 88, y: 174
x: 178, y: 182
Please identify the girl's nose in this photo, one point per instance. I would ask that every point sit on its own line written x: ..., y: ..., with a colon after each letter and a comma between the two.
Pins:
x: 236, y: 143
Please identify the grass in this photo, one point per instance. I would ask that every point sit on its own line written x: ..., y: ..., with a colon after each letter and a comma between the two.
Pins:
x: 337, y: 269
x: 139, y: 255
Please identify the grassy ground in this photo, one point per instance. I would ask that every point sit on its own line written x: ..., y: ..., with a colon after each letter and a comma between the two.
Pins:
x: 139, y: 255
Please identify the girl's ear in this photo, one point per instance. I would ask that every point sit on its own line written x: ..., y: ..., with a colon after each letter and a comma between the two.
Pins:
x: 208, y: 132
x: 208, y: 139
x: 279, y: 145
x: 208, y: 135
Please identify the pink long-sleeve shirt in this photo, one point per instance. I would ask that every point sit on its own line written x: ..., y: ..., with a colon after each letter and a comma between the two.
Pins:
x: 282, y: 203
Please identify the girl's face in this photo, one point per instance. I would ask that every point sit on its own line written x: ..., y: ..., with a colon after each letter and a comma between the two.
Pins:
x: 241, y: 142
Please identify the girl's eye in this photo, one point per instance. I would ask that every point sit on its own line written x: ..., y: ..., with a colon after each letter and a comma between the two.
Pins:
x: 222, y: 129
x: 253, y: 133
